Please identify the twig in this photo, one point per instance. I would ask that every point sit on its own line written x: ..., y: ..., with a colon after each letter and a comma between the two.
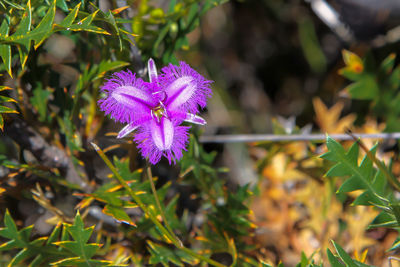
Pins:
x: 249, y: 138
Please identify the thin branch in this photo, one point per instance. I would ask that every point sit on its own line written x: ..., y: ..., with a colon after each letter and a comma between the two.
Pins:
x: 249, y: 138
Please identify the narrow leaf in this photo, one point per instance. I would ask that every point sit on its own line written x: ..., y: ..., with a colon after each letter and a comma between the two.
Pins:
x: 23, y: 28
x: 5, y: 50
x: 43, y: 30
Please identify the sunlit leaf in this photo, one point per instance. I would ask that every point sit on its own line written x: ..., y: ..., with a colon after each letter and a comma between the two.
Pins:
x: 5, y: 50
x: 23, y: 28
x: 119, y: 214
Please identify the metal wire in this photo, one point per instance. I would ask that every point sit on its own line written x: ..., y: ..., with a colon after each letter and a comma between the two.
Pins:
x: 249, y: 138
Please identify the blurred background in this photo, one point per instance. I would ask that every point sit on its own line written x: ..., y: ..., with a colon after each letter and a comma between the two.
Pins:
x: 276, y: 66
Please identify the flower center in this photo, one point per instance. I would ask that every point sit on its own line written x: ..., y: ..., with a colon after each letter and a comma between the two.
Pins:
x: 158, y: 112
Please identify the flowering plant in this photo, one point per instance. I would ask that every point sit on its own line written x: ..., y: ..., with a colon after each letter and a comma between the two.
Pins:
x: 157, y: 109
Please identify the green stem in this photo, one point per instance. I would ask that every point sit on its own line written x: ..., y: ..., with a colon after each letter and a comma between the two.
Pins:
x: 201, y: 257
x: 166, y: 234
x: 121, y: 180
x: 160, y: 209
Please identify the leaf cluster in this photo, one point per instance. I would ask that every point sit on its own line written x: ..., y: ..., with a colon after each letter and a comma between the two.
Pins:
x: 375, y: 83
x: 67, y: 245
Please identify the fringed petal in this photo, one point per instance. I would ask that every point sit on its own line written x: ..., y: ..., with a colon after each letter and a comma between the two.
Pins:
x: 164, y: 138
x: 186, y: 89
x: 128, y: 100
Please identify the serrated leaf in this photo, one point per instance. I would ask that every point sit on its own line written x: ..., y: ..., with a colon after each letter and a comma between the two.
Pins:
x: 10, y: 230
x: 85, y: 251
x: 85, y: 25
x: 43, y: 30
x: 80, y: 236
x: 70, y: 18
x: 37, y: 250
x: 23, y: 28
x: 54, y: 234
x: 360, y: 176
x: 77, y: 230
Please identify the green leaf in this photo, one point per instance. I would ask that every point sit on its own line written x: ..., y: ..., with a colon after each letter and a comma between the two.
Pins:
x: 365, y: 88
x: 3, y: 88
x: 106, y: 66
x: 80, y: 236
x: 163, y: 255
x: 394, y: 79
x: 4, y: 109
x: 23, y: 28
x: 7, y: 99
x: 37, y: 250
x: 344, y: 256
x: 62, y: 5
x: 333, y: 260
x: 77, y: 261
x: 5, y: 50
x: 85, y: 25
x: 39, y: 101
x: 14, y: 5
x: 70, y: 18
x: 1, y: 122
x: 44, y: 29
x: 119, y: 214
x: 311, y: 47
x: 384, y: 219
x: 388, y: 64
x: 396, y: 245
x: 110, y: 19
x: 361, y: 177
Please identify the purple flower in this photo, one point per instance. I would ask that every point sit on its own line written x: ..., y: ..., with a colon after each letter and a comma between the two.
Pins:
x: 156, y: 109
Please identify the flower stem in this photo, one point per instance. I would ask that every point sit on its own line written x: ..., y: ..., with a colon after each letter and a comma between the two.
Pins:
x: 121, y: 180
x: 165, y: 233
x: 160, y: 209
